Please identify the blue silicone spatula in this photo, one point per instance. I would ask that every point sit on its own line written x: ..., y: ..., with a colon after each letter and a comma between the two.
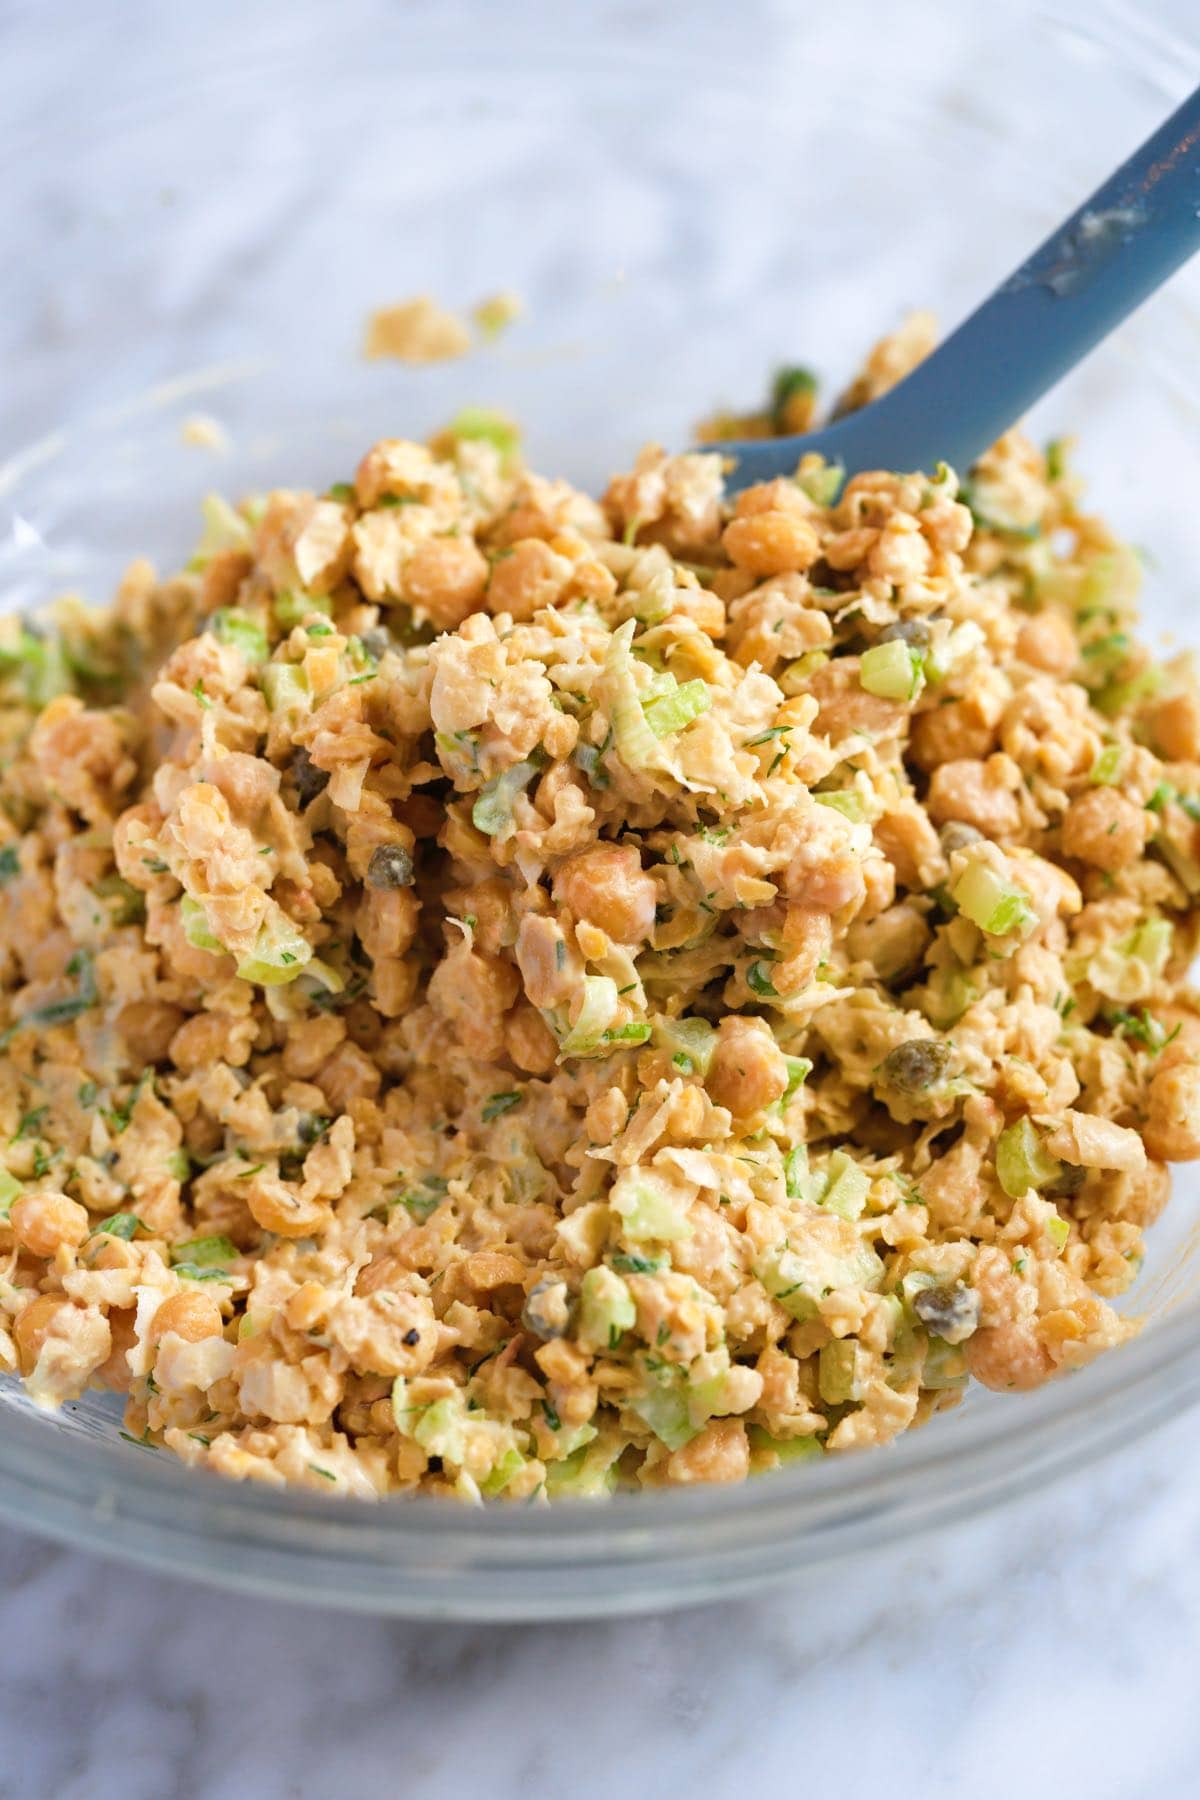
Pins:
x: 1109, y: 256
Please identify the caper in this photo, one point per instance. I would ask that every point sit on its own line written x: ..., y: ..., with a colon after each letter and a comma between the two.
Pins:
x: 909, y: 631
x: 948, y: 1312
x: 956, y: 834
x: 391, y: 866
x: 547, y: 1310
x: 310, y: 781
x: 376, y: 642
x: 914, y: 1066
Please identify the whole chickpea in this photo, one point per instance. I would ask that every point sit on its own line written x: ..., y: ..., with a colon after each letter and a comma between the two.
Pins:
x: 1008, y: 1357
x: 445, y: 578
x: 748, y: 1071
x: 34, y: 1326
x: 1105, y: 829
x: 530, y: 576
x: 191, y: 1316
x: 44, y: 1222
x: 771, y: 543
x: 607, y: 886
x: 529, y: 1040
x: 278, y: 1208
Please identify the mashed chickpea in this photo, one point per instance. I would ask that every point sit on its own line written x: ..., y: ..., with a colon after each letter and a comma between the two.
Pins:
x: 510, y: 995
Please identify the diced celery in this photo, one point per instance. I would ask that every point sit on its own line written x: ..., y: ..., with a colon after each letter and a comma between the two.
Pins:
x: 796, y: 1173
x: 587, y: 1474
x: 635, y: 742
x: 945, y: 1366
x: 1151, y: 944
x: 568, y: 1439
x: 285, y: 686
x: 1122, y: 696
x: 799, y: 1069
x: 43, y: 667
x: 1058, y: 1230
x: 792, y: 382
x: 945, y: 654
x: 785, y: 1450
x: 606, y: 1309
x: 1106, y: 770
x: 623, y: 1037
x: 243, y: 632
x: 224, y: 529
x: 758, y: 980
x: 1021, y: 1160
x: 947, y: 995
x: 1129, y: 969
x: 848, y: 1186
x: 1056, y: 458
x: 943, y: 484
x: 648, y: 1214
x: 822, y: 485
x: 492, y: 812
x: 992, y: 509
x: 664, y: 1407
x: 795, y: 677
x: 1184, y: 867
x: 1112, y: 581
x: 496, y: 314
x: 195, y: 926
x: 708, y: 1380
x: 126, y: 904
x: 439, y: 1429
x: 595, y: 1015
x: 694, y: 1039
x: 10, y: 1188
x: 841, y: 1371
x: 484, y: 425
x: 799, y: 1276
x: 997, y: 906
x: 179, y: 1165
x: 846, y: 801
x: 509, y: 1463
x: 295, y: 605
x: 671, y: 712
x: 916, y: 1282
x: 892, y: 671
x: 801, y: 1181
x: 280, y: 952
x: 331, y: 979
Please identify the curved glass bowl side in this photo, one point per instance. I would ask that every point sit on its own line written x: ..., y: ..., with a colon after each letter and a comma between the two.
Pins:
x: 427, y: 1558
x: 646, y: 203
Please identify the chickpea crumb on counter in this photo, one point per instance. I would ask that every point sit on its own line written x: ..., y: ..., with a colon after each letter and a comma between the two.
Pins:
x: 506, y: 994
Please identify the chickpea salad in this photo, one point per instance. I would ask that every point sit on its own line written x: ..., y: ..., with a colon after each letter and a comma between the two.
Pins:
x: 505, y: 994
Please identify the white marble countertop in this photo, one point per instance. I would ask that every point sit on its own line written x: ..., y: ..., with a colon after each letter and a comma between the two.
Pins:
x: 1048, y: 1651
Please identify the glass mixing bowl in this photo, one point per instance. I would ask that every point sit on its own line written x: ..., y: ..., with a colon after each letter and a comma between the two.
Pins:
x: 203, y: 205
